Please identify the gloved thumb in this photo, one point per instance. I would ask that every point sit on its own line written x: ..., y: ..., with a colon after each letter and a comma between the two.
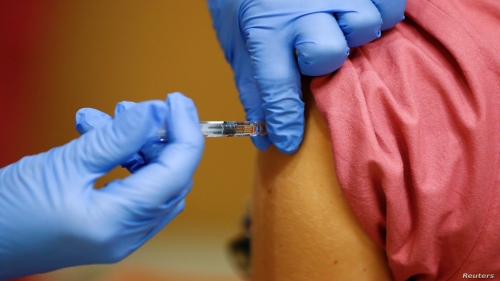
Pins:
x: 88, y: 119
x: 103, y: 148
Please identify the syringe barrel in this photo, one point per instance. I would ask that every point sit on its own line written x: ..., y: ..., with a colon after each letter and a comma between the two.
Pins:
x: 231, y: 128
x: 225, y: 129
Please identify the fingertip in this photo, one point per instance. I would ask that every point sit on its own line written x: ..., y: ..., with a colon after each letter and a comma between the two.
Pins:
x: 81, y: 125
x: 261, y: 142
x: 319, y: 59
x: 183, y: 134
x: 320, y: 44
x: 287, y: 137
x: 177, y: 94
x: 180, y: 207
x: 122, y: 106
x: 182, y: 119
x: 289, y: 144
x: 360, y: 27
x: 285, y: 122
x: 87, y: 119
x: 142, y: 121
x: 286, y: 128
x: 179, y: 99
x: 391, y: 22
x: 391, y: 11
x: 159, y: 111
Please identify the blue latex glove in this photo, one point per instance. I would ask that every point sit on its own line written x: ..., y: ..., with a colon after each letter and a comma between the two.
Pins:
x: 88, y: 119
x: 51, y: 217
x: 261, y: 39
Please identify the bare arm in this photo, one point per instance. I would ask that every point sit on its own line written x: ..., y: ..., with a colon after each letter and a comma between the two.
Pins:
x: 302, y: 227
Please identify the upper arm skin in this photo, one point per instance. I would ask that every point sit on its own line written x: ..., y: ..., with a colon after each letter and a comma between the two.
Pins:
x: 302, y: 227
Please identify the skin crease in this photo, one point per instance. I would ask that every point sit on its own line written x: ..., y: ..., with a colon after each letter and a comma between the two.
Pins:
x: 302, y: 227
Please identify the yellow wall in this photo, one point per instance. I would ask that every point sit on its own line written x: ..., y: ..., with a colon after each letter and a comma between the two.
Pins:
x: 100, y: 52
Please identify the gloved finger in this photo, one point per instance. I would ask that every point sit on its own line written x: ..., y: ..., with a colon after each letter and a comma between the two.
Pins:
x: 360, y: 25
x: 136, y: 161
x: 320, y: 44
x: 148, y: 152
x: 278, y: 80
x: 168, y: 175
x: 249, y: 95
x: 392, y: 11
x: 90, y: 118
x: 122, y: 106
x: 87, y: 119
x: 101, y: 149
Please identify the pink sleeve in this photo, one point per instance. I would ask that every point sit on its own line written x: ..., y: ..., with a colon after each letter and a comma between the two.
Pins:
x: 415, y: 130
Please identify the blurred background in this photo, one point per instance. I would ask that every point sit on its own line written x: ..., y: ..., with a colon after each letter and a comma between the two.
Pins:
x: 59, y: 56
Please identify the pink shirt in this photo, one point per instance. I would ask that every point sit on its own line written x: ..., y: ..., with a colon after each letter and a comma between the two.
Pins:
x: 415, y: 129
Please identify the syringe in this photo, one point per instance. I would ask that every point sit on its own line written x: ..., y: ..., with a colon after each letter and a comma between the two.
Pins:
x: 226, y: 129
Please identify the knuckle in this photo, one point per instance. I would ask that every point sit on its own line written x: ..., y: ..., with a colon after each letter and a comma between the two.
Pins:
x: 99, y: 237
x: 361, y: 28
x: 282, y: 105
x: 180, y: 207
x: 276, y: 78
x: 370, y: 20
x: 116, y: 256
x: 389, y: 21
x: 392, y: 12
x: 195, y: 145
x: 322, y: 57
x: 104, y: 242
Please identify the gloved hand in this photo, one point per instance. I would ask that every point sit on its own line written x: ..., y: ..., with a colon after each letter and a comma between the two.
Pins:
x: 261, y: 38
x: 51, y: 217
x: 88, y: 119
